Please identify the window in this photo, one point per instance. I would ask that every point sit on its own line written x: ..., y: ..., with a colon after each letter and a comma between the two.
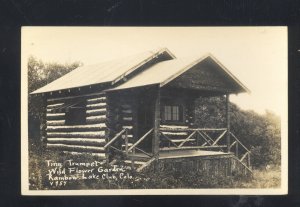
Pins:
x: 173, y: 113
x: 76, y: 114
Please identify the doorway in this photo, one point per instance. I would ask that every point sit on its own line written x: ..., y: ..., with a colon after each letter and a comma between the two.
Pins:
x: 145, y: 122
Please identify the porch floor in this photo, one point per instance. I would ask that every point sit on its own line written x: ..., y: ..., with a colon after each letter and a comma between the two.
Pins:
x: 185, y: 153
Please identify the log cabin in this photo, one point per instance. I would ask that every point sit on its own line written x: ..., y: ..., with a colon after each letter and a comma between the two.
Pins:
x: 140, y: 111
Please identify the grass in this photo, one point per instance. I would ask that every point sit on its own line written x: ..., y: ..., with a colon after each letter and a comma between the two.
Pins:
x: 262, y: 178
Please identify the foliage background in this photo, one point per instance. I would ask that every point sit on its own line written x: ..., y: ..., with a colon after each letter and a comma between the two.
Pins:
x: 260, y: 133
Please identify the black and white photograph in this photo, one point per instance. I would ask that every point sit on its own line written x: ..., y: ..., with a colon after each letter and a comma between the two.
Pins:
x: 154, y: 110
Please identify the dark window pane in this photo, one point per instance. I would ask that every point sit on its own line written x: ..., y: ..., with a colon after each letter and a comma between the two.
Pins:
x: 76, y: 114
x: 168, y: 113
x: 175, y: 110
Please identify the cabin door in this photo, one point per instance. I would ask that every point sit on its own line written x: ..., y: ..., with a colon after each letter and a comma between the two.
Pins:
x: 145, y: 122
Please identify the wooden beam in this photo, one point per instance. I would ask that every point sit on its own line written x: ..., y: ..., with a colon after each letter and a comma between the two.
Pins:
x: 233, y: 143
x: 77, y: 141
x: 78, y: 96
x: 249, y: 162
x: 240, y: 142
x: 76, y: 148
x: 228, y: 122
x: 115, y: 137
x: 244, y: 156
x: 155, y: 141
x: 139, y: 149
x: 191, y: 129
x: 207, y: 139
x: 193, y: 147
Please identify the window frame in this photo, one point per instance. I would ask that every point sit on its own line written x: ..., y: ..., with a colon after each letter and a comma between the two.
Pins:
x: 180, y: 114
x: 71, y: 108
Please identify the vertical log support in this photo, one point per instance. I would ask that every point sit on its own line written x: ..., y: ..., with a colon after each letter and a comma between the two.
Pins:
x: 126, y: 142
x: 190, y: 110
x: 107, y: 152
x: 249, y: 162
x: 228, y: 123
x: 132, y: 159
x: 237, y: 149
x: 155, y: 141
x: 108, y: 129
x: 43, y: 123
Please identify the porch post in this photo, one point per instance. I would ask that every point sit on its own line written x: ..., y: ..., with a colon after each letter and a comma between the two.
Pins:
x: 155, y: 141
x: 228, y: 123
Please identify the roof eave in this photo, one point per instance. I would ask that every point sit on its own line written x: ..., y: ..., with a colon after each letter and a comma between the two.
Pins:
x: 243, y: 87
x: 65, y: 89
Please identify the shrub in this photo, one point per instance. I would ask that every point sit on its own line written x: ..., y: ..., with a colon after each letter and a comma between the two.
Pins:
x: 260, y: 133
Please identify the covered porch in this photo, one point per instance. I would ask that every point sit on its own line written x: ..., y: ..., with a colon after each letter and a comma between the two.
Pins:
x: 154, y: 132
x: 154, y: 113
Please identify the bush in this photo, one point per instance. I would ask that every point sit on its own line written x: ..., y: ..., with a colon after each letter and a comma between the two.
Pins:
x: 260, y: 133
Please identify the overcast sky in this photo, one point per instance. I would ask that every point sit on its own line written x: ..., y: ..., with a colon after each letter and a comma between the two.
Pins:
x: 257, y: 56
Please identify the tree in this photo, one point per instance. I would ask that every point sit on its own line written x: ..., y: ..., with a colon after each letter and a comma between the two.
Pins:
x: 260, y: 133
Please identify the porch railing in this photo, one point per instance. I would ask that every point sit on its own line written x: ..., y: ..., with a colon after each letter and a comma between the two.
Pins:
x: 206, y: 139
x: 200, y: 138
x: 135, y: 147
x: 242, y: 153
x: 114, y: 139
x: 185, y: 138
x: 122, y: 137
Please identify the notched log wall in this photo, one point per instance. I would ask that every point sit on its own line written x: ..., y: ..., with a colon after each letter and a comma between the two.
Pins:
x: 75, y: 139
